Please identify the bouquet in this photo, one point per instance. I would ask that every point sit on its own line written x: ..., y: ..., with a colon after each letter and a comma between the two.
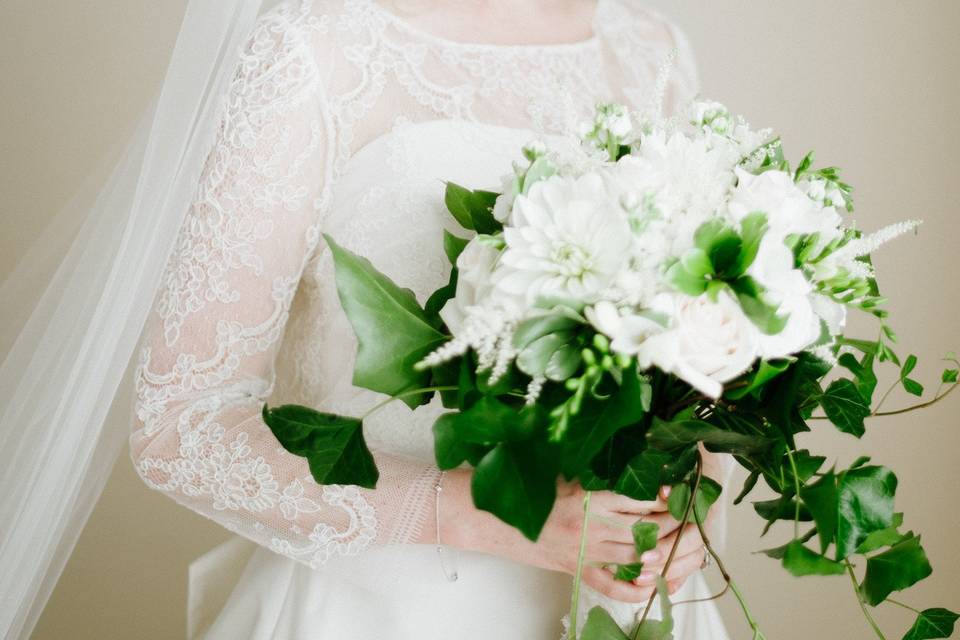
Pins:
x: 656, y: 286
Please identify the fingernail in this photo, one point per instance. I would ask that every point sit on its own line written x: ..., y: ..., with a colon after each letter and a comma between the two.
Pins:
x: 646, y: 576
x: 666, y: 491
x: 650, y: 556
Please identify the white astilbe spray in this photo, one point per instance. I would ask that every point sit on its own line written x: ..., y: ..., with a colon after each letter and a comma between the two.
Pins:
x: 845, y: 259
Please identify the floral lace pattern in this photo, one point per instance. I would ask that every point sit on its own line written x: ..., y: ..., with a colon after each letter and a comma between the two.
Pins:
x: 341, y: 117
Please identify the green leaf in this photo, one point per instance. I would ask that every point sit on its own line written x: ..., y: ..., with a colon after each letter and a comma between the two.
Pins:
x: 931, y: 624
x: 534, y: 359
x: 766, y: 371
x: 752, y: 229
x: 439, y: 298
x: 393, y: 332
x: 645, y: 536
x: 449, y: 448
x: 628, y: 572
x: 822, y: 500
x: 865, y: 505
x: 537, y: 327
x: 517, y: 482
x: 862, y: 370
x: 453, y: 246
x: 601, y: 626
x: 598, y: 420
x: 801, y: 561
x: 642, y: 476
x: 707, y: 494
x: 673, y: 435
x: 949, y: 376
x: 884, y: 537
x: 490, y: 421
x: 845, y: 407
x: 764, y: 315
x: 333, y: 445
x: 748, y: 484
x: 658, y: 629
x: 898, y: 568
x: 472, y: 209
x: 911, y: 386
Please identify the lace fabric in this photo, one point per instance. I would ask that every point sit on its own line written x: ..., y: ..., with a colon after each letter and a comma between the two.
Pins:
x: 344, y: 118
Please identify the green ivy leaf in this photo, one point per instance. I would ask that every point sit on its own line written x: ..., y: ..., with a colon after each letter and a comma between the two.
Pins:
x: 472, y: 209
x: 901, y: 566
x: 748, y: 484
x: 801, y: 561
x: 911, y: 386
x: 393, y: 332
x: 707, y: 494
x: 822, y: 498
x: 862, y: 370
x: 950, y: 376
x: 865, y: 505
x: 449, y: 448
x: 884, y: 537
x: 932, y: 624
x: 333, y: 445
x: 766, y: 371
x: 601, y: 626
x: 517, y: 482
x: 658, y: 629
x: 598, y: 420
x: 674, y: 435
x: 642, y: 476
x: 845, y: 407
x: 453, y: 246
x: 645, y: 536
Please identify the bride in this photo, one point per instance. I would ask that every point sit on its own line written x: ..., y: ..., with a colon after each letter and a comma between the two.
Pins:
x: 345, y: 117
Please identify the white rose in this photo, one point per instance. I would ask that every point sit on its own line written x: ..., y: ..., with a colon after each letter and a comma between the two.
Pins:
x: 475, y: 266
x: 709, y: 343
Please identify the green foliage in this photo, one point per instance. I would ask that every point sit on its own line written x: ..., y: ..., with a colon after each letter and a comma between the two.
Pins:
x: 901, y: 566
x: 931, y: 624
x: 333, y: 445
x: 707, y: 493
x: 393, y: 332
x: 517, y: 482
x: 844, y: 404
x: 801, y: 561
x: 472, y: 209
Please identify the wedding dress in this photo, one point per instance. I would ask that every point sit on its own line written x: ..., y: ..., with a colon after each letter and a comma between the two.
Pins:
x: 343, y: 118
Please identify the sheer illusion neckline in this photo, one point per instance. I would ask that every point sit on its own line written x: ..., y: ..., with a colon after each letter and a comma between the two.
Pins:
x: 574, y: 46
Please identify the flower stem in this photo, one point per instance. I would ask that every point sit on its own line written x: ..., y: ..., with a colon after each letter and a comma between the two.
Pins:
x: 796, y: 485
x: 578, y: 576
x: 676, y: 543
x: 863, y: 606
x: 403, y: 394
x: 757, y: 634
x: 905, y: 606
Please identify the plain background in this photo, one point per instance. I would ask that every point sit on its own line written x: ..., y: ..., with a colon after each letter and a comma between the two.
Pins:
x: 872, y: 85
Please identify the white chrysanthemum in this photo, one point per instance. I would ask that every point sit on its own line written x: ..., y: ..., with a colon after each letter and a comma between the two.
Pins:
x: 568, y: 241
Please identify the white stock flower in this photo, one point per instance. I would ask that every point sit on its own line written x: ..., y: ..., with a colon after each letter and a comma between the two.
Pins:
x: 627, y: 333
x: 568, y: 241
x: 708, y: 343
x: 788, y: 208
x: 686, y: 180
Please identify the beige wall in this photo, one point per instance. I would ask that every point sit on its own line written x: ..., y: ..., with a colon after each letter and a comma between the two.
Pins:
x: 870, y: 84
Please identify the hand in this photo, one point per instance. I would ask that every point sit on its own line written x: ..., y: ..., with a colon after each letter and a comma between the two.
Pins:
x: 687, y: 560
x: 609, y: 537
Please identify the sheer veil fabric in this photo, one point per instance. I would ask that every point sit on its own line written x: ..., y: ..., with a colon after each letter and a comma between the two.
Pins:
x: 204, y: 249
x: 61, y: 371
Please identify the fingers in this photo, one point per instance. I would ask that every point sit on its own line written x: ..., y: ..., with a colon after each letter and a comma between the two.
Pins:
x: 690, y: 542
x: 615, y: 502
x: 603, y: 581
x: 613, y: 553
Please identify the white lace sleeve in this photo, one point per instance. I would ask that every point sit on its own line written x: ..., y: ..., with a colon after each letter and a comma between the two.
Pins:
x: 207, y: 359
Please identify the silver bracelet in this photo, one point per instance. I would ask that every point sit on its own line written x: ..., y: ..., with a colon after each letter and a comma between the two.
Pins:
x: 442, y: 551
